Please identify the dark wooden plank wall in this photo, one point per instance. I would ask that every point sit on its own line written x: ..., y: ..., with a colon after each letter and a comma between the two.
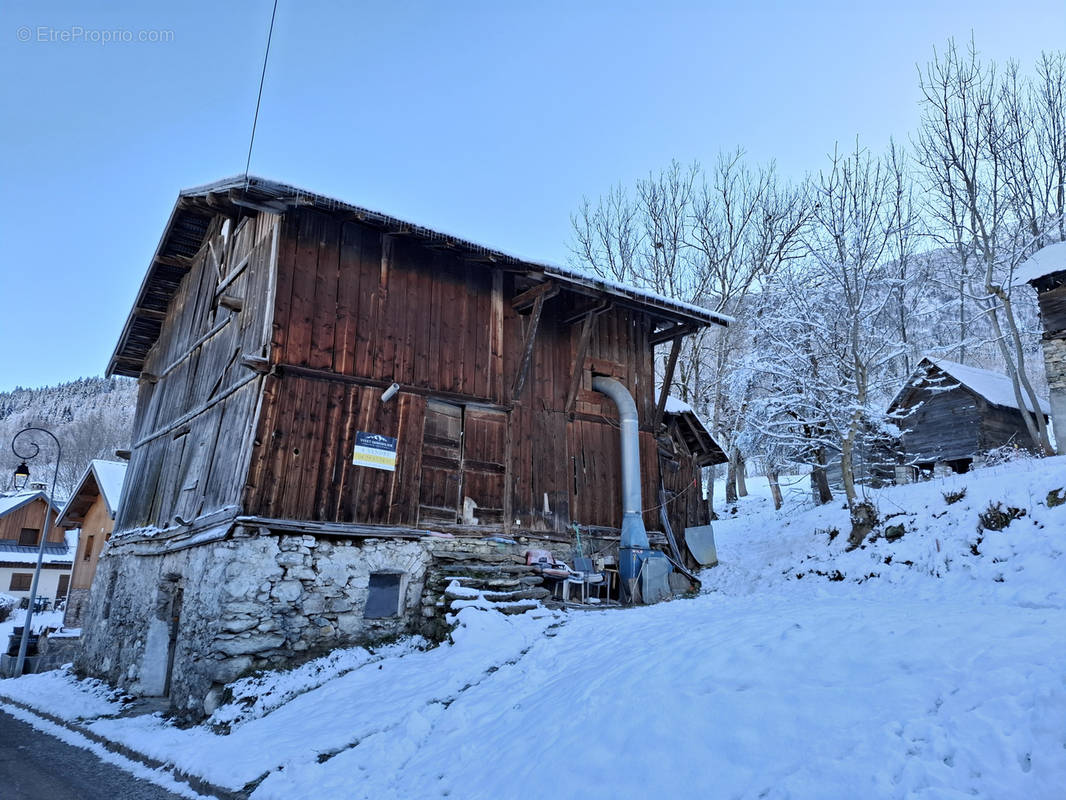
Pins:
x: 191, y: 432
x: 944, y: 428
x: 1003, y: 426
x: 1053, y: 309
x: 357, y: 309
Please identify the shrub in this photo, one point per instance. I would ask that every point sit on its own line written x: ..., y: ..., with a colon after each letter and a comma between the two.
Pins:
x: 1056, y: 497
x: 996, y: 518
x: 953, y: 497
x: 7, y: 605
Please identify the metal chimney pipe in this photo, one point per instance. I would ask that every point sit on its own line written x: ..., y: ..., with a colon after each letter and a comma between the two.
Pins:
x: 634, y: 541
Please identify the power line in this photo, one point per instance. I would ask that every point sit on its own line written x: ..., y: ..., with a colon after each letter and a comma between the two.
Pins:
x: 259, y: 99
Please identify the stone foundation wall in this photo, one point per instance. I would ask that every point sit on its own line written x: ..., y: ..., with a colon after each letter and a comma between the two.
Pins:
x: 257, y: 600
x: 1055, y: 366
x: 77, y: 605
x: 254, y: 601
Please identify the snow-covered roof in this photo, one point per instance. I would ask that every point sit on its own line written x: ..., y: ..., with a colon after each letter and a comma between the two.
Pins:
x: 100, y: 477
x: 700, y: 436
x: 1043, y: 262
x: 11, y: 502
x: 675, y: 405
x: 196, y: 206
x: 995, y: 387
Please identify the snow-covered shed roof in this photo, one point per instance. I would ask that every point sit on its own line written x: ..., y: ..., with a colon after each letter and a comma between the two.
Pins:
x: 101, y: 479
x: 185, y: 232
x: 695, y: 433
x: 1042, y: 263
x: 995, y: 387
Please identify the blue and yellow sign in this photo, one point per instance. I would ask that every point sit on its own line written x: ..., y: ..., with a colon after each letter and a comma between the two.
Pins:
x: 374, y: 450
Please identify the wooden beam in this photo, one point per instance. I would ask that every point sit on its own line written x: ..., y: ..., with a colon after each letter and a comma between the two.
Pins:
x: 577, y: 373
x: 298, y: 371
x: 178, y: 262
x: 673, y: 332
x: 256, y: 363
x: 528, y: 298
x: 597, y: 308
x: 668, y: 379
x: 149, y: 313
x: 527, y: 350
x: 232, y: 302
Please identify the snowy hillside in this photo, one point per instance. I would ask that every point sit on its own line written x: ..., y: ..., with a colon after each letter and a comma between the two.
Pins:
x: 930, y: 666
x: 91, y: 417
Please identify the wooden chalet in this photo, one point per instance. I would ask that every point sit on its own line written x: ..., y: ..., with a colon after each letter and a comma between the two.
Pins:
x: 22, y: 520
x: 951, y: 413
x: 309, y: 368
x: 1045, y: 271
x: 91, y: 510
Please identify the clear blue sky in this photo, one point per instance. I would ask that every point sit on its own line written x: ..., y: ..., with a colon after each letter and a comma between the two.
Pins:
x: 488, y: 120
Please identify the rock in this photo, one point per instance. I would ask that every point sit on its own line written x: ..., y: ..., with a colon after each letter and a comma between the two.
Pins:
x: 230, y: 669
x: 290, y: 559
x: 300, y: 574
x: 212, y: 700
x: 250, y: 644
x: 239, y: 625
x: 287, y: 591
x: 894, y: 532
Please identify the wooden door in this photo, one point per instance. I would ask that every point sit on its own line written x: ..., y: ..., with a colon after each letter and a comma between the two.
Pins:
x: 64, y: 585
x: 484, y: 464
x: 442, y: 453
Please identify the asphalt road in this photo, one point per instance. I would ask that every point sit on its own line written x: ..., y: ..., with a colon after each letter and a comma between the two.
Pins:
x: 36, y: 766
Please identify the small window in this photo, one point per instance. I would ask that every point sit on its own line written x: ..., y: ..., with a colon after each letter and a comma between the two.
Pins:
x: 20, y: 581
x: 384, y: 598
x: 88, y: 548
x: 28, y: 537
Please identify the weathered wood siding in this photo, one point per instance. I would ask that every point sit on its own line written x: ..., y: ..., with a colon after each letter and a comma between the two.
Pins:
x: 357, y: 309
x: 197, y: 399
x: 1003, y: 426
x: 1053, y: 309
x: 946, y: 426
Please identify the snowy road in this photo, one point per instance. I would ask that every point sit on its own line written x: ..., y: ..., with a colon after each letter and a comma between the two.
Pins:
x: 36, y: 766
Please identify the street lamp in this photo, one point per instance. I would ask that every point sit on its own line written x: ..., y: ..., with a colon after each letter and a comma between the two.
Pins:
x: 22, y: 474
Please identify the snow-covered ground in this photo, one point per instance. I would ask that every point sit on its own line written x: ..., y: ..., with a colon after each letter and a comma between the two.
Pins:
x: 40, y: 621
x: 933, y: 666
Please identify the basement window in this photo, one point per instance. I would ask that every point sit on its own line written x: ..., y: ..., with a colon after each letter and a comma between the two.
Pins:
x: 383, y: 600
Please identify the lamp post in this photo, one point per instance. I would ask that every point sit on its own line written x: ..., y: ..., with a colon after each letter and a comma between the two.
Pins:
x: 22, y: 474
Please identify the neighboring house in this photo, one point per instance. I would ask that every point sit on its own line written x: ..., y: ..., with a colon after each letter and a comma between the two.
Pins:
x: 335, y: 406
x: 1045, y: 271
x: 22, y: 520
x: 91, y: 509
x: 952, y: 413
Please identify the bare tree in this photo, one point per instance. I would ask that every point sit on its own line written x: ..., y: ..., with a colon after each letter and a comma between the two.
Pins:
x: 975, y: 161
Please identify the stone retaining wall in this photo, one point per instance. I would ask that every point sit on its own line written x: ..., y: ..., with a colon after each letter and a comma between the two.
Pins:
x: 257, y: 600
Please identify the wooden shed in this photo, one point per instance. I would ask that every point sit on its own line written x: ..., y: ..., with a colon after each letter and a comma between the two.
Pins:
x: 951, y: 413
x: 309, y: 368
